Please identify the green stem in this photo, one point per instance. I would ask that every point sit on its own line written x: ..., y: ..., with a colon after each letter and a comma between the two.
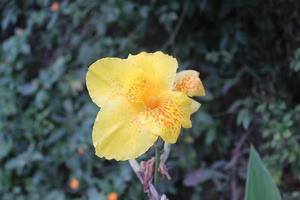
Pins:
x: 157, y: 162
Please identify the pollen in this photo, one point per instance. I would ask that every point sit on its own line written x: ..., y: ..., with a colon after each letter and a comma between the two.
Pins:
x: 151, y: 102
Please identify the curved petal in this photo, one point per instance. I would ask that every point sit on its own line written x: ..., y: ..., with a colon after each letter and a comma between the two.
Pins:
x: 195, y: 106
x: 118, y: 132
x: 188, y: 81
x: 167, y: 119
x: 107, y: 77
x: 159, y: 67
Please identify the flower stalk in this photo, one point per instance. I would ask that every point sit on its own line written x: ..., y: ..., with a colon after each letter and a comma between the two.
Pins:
x: 162, y: 158
x: 152, y: 193
x: 157, y: 162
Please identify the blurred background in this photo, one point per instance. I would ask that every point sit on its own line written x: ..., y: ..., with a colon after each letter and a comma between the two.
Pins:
x: 248, y: 57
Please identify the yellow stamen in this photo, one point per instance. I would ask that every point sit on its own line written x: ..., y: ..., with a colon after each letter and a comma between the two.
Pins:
x: 151, y: 102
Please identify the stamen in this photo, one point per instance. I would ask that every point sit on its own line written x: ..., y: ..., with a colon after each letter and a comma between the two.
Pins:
x: 151, y: 102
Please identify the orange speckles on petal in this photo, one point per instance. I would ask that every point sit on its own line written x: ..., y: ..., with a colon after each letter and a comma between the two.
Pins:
x: 137, y: 89
x: 188, y: 81
x: 54, y: 6
x: 74, y: 184
x: 143, y: 90
x: 112, y: 196
x: 167, y: 118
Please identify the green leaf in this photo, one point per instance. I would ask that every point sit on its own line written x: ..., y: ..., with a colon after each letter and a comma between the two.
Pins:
x: 244, y: 118
x: 260, y: 185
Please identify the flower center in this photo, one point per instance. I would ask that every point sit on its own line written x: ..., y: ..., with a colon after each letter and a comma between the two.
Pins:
x: 151, y: 102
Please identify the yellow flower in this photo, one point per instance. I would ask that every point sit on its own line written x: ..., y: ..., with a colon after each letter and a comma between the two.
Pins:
x: 141, y: 99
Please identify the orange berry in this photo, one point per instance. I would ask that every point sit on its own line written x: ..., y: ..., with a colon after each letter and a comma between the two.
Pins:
x: 54, y: 6
x: 74, y: 184
x: 112, y: 196
x: 80, y: 151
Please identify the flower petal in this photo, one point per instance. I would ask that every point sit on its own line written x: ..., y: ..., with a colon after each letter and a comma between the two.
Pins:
x: 195, y: 106
x: 138, y: 87
x: 159, y: 67
x: 118, y: 132
x: 107, y: 77
x: 172, y: 114
x: 188, y: 81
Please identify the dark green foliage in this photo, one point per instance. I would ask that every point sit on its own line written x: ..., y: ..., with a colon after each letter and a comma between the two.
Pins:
x: 246, y: 51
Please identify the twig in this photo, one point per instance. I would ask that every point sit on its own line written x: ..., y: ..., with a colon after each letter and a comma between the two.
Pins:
x: 177, y: 27
x: 233, y: 162
x: 234, y: 190
x: 236, y: 152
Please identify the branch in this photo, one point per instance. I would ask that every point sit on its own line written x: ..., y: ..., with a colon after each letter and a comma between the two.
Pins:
x: 177, y: 27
